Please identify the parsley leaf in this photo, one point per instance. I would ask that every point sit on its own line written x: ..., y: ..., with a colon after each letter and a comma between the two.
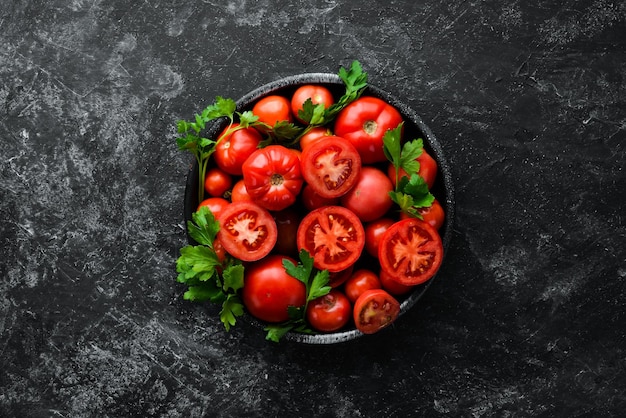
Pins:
x: 412, y: 194
x: 356, y: 82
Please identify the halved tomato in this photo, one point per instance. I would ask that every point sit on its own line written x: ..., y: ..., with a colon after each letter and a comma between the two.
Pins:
x: 410, y: 251
x: 334, y: 237
x: 247, y: 231
x: 331, y: 166
x: 374, y: 310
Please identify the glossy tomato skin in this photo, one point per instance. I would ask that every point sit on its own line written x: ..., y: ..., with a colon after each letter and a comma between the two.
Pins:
x: 215, y: 204
x: 410, y: 251
x: 334, y: 237
x: 428, y: 170
x: 273, y: 177
x: 272, y: 109
x: 360, y: 281
x: 247, y: 231
x: 330, y: 312
x: 433, y: 215
x: 311, y: 200
x: 287, y: 222
x: 364, y: 123
x: 217, y: 182
x: 331, y: 166
x: 373, y: 232
x: 337, y: 278
x: 239, y: 193
x: 318, y: 95
x: 369, y: 197
x: 392, y: 286
x: 233, y: 149
x: 268, y: 290
x: 314, y: 135
x: 374, y: 310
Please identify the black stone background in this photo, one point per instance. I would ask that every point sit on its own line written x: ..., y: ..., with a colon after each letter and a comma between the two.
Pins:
x: 527, y: 315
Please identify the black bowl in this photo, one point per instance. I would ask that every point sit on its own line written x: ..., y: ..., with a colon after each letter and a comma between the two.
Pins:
x: 415, y: 127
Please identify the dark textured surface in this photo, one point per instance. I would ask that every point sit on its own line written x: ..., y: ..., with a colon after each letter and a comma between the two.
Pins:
x: 527, y: 318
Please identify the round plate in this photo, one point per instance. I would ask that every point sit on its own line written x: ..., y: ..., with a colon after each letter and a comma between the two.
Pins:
x: 414, y: 127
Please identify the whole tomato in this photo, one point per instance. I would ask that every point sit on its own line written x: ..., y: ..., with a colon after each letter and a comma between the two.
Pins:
x: 392, y: 286
x: 215, y: 204
x: 314, y: 135
x: 373, y: 231
x: 273, y: 109
x: 330, y: 312
x: 239, y: 192
x: 433, y: 215
x: 273, y: 177
x: 369, y: 197
x: 318, y: 95
x: 217, y: 182
x: 234, y: 148
x: 364, y: 122
x: 360, y: 281
x: 428, y: 170
x: 312, y: 200
x: 268, y: 290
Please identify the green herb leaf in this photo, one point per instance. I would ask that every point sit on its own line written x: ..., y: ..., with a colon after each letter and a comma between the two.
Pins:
x: 276, y: 331
x: 231, y: 309
x: 411, y: 151
x: 202, y: 293
x: 233, y: 277
x: 203, y: 227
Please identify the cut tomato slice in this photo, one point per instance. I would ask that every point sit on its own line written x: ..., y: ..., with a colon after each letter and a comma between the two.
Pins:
x: 331, y: 166
x: 374, y: 310
x: 410, y: 251
x: 247, y: 231
x: 334, y: 237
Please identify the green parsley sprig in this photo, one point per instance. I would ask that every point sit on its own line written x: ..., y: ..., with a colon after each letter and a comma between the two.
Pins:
x: 411, y: 193
x: 316, y: 283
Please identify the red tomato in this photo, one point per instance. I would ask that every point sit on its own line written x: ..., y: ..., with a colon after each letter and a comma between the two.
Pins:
x: 247, y: 231
x: 312, y: 200
x: 318, y: 95
x: 215, y: 204
x: 433, y: 215
x: 287, y: 222
x: 331, y: 166
x: 330, y: 312
x: 217, y: 182
x: 272, y: 176
x: 364, y: 123
x: 313, y: 136
x: 233, y: 149
x: 373, y: 231
x: 334, y: 237
x: 374, y: 310
x: 428, y: 170
x: 410, y: 251
x: 361, y: 281
x: 337, y: 278
x: 240, y: 193
x: 369, y: 197
x: 392, y: 286
x: 268, y: 290
x: 272, y: 109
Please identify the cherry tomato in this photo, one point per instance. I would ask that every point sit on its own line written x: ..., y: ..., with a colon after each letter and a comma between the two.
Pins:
x: 410, y: 251
x: 312, y: 200
x: 392, y: 286
x: 374, y: 310
x: 217, y: 182
x: 369, y: 197
x: 318, y: 95
x: 360, y: 281
x: 428, y: 170
x: 215, y: 204
x: 233, y: 149
x: 313, y: 136
x: 364, y: 123
x: 268, y: 290
x: 240, y: 193
x: 433, y: 215
x: 330, y: 312
x: 247, y: 231
x: 272, y: 109
x: 331, y: 166
x: 287, y: 222
x: 334, y: 237
x: 373, y: 231
x: 337, y: 278
x: 272, y: 176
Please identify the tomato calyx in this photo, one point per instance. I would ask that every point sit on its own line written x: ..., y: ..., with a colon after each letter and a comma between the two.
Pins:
x: 370, y: 127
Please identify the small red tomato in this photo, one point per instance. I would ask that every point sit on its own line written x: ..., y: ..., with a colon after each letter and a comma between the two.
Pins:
x: 240, y: 193
x: 392, y: 286
x: 215, y: 204
x: 234, y: 146
x: 337, y: 278
x: 374, y: 310
x: 373, y: 231
x: 330, y: 312
x: 318, y: 95
x: 314, y: 135
x: 217, y: 182
x: 428, y: 170
x: 312, y: 200
x: 361, y: 281
x: 433, y: 215
x: 272, y: 109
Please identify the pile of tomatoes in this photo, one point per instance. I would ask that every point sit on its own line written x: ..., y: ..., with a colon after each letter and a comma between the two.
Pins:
x: 327, y: 194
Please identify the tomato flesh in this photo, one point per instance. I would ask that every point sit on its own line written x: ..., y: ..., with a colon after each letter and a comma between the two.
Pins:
x: 334, y: 237
x: 374, y: 310
x: 410, y: 251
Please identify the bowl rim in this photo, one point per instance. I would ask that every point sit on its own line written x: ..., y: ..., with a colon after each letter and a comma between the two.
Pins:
x: 408, y: 114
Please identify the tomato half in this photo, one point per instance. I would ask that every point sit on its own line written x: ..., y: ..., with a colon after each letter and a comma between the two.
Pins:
x: 330, y: 312
x: 369, y: 197
x: 233, y: 149
x: 364, y: 123
x: 268, y: 290
x: 334, y: 237
x: 272, y: 109
x: 374, y: 310
x: 272, y: 177
x: 410, y: 251
x: 318, y: 95
x: 247, y: 231
x: 331, y: 166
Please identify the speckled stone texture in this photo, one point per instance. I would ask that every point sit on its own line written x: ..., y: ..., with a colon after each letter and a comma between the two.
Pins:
x: 527, y: 317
